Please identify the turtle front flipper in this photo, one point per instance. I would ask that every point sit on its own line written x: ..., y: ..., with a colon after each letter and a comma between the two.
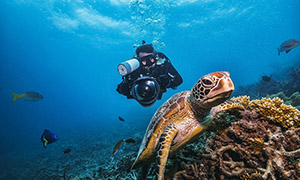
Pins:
x: 223, y: 115
x: 164, y: 146
x: 227, y: 106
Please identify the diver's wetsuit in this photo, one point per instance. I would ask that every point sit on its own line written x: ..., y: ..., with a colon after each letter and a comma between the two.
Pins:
x: 164, y: 73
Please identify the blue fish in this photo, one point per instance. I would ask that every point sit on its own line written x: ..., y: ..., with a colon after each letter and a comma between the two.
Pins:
x: 48, y: 137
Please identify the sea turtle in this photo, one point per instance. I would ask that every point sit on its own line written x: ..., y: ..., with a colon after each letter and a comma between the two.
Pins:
x: 182, y: 118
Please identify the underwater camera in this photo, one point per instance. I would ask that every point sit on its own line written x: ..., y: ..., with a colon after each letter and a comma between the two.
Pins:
x: 145, y: 90
x: 128, y: 66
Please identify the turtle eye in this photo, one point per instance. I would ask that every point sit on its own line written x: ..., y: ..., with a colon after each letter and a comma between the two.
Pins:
x: 206, y: 82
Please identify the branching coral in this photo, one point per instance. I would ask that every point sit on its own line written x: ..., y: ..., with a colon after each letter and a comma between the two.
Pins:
x: 276, y: 111
x: 244, y: 100
x: 279, y: 157
x: 191, y: 172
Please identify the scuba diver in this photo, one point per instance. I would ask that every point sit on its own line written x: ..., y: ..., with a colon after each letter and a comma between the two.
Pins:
x: 147, y: 75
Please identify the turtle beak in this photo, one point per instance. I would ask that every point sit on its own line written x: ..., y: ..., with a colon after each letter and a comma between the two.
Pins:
x: 224, y: 89
x: 220, y: 93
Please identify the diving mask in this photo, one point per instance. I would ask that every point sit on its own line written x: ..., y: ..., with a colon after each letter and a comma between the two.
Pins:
x: 148, y: 60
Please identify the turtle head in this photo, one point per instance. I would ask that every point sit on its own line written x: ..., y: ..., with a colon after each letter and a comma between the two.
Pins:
x: 212, y: 89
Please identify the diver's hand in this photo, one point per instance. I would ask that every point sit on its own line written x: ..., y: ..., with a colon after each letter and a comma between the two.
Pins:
x: 123, y: 88
x: 164, y: 81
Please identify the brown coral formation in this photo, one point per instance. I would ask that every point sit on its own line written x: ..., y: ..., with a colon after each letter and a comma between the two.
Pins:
x: 263, y: 144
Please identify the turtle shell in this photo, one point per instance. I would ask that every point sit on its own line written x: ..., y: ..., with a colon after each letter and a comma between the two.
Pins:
x: 160, y: 120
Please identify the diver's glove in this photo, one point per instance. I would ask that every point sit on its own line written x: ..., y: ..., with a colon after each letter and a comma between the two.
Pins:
x: 123, y: 88
x: 164, y: 81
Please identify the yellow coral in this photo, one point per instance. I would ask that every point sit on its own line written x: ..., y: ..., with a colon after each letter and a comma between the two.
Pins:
x: 272, y: 109
x: 254, y: 176
x: 243, y: 100
x: 257, y: 144
x: 276, y: 111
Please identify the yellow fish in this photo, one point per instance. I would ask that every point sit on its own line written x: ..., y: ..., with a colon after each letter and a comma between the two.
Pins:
x: 28, y: 96
x: 118, y: 145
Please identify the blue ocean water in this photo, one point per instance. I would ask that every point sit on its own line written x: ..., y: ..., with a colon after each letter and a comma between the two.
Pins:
x: 69, y: 52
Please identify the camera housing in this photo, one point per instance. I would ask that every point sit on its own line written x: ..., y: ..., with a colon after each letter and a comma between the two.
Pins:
x: 145, y: 90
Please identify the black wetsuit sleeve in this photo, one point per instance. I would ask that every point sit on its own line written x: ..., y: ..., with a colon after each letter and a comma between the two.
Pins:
x: 175, y: 78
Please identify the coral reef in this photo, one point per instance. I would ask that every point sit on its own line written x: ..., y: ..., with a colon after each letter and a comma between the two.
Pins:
x: 263, y: 144
x: 250, y: 147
